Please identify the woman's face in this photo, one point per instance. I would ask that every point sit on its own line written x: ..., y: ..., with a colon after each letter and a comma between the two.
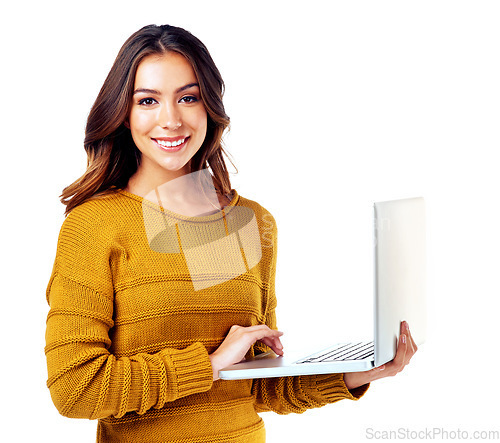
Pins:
x: 168, y: 119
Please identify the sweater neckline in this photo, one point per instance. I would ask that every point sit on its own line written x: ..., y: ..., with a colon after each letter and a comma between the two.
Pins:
x: 210, y: 217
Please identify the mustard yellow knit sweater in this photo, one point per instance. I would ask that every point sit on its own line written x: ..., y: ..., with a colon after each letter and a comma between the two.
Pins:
x: 128, y: 336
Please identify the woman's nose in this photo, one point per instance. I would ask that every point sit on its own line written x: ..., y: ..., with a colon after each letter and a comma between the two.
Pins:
x: 169, y: 117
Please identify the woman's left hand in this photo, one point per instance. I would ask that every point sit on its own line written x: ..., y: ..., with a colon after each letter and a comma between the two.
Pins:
x: 405, y: 351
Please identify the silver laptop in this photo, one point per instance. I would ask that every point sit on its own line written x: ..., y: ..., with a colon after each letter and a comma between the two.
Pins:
x: 399, y: 294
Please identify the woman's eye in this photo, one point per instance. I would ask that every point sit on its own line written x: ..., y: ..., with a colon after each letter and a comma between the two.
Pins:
x: 189, y: 99
x: 147, y: 101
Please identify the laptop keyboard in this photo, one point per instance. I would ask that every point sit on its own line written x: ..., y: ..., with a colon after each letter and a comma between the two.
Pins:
x: 348, y: 351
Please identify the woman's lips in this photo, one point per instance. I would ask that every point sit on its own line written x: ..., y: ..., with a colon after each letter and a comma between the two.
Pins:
x: 171, y: 144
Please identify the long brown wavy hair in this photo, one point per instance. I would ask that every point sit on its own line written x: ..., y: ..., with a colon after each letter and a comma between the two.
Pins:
x: 112, y: 157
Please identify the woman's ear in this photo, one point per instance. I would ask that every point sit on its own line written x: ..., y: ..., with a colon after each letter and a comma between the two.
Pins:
x: 126, y: 123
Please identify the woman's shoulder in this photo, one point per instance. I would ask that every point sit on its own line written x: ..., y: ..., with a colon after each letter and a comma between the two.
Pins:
x: 87, y: 240
x: 258, y: 208
x: 100, y: 213
x: 265, y: 220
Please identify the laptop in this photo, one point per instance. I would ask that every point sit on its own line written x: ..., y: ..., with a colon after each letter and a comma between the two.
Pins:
x: 399, y: 294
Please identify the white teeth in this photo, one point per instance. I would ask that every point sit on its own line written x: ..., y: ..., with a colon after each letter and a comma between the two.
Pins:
x: 170, y: 144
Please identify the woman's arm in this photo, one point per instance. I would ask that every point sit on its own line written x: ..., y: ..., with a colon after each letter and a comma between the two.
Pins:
x: 85, y: 379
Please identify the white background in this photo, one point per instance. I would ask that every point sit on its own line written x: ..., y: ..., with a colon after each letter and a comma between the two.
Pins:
x: 333, y: 105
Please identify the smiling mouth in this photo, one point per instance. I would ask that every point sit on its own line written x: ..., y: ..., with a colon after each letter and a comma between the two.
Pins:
x: 171, y: 145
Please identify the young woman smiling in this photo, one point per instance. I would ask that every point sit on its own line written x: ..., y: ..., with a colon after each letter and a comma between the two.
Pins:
x: 136, y: 334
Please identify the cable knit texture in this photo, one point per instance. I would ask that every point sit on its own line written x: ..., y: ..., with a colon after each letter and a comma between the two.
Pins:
x: 129, y: 336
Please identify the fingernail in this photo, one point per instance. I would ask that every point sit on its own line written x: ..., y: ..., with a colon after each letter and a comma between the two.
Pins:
x: 403, y: 338
x: 381, y: 368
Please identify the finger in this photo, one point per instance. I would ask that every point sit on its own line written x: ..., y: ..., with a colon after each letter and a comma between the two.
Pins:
x: 274, y: 344
x: 265, y: 335
x: 398, y: 363
x: 275, y: 341
x: 411, y: 345
x: 403, y: 345
x: 402, y: 327
x: 262, y: 330
x: 269, y: 334
x: 254, y: 333
x: 411, y: 341
x: 251, y: 328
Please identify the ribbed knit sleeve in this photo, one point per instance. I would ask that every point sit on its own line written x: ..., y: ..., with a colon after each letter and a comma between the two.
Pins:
x: 85, y: 379
x: 285, y: 395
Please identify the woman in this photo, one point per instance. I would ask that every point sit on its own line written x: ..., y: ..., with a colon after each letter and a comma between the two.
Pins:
x: 164, y: 274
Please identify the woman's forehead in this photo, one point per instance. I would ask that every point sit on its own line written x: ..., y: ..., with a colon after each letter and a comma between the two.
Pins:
x: 166, y: 72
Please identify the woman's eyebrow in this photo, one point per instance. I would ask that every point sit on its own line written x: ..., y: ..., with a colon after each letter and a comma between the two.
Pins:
x: 146, y: 91
x: 154, y: 91
x: 189, y: 85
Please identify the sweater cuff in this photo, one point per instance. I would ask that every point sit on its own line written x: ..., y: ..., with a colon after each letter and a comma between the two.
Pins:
x: 329, y: 388
x: 192, y: 369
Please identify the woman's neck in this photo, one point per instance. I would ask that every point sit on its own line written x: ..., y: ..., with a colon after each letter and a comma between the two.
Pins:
x: 189, y: 194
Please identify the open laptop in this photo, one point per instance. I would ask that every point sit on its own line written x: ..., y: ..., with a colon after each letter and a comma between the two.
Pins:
x: 399, y: 294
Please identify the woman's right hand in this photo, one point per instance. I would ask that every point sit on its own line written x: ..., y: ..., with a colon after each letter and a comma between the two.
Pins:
x: 237, y: 343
